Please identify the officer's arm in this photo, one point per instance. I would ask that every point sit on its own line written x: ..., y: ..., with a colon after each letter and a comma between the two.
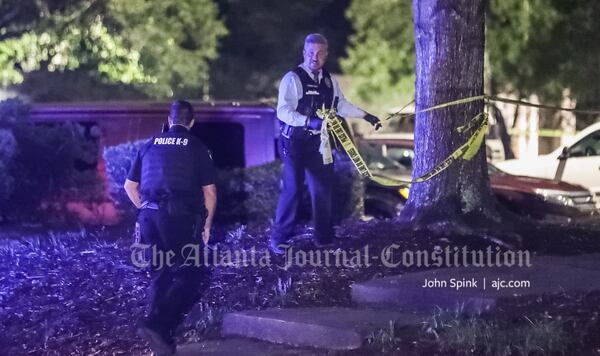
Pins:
x: 210, y: 201
x: 131, y: 188
x: 290, y: 91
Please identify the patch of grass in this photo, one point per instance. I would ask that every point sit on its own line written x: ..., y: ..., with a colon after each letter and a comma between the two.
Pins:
x: 284, y: 293
x: 386, y: 339
x: 235, y: 236
x: 456, y: 334
x: 204, y: 320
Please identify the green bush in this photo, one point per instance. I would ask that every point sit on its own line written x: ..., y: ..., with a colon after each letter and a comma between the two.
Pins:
x: 8, y: 150
x: 248, y: 194
x: 118, y: 160
x: 243, y: 194
x: 38, y: 165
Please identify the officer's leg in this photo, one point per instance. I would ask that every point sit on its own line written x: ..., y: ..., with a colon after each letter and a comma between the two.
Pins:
x: 320, y: 182
x: 161, y: 276
x: 291, y: 191
x: 189, y: 284
x: 189, y: 276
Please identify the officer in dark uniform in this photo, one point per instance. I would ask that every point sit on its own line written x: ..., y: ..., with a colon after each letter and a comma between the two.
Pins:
x: 172, y: 182
x: 302, y: 92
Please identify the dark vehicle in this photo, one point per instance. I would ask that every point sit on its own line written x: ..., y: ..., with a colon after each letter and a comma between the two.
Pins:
x: 238, y: 134
x: 536, y: 197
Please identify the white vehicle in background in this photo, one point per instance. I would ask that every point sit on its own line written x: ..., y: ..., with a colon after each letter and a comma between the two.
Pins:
x: 576, y: 163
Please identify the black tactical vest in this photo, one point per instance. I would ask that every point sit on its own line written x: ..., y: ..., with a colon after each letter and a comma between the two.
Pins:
x: 314, y: 95
x: 170, y: 169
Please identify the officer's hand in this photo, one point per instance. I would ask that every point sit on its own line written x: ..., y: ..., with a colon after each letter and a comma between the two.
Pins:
x: 206, y: 235
x: 373, y: 120
x: 314, y: 123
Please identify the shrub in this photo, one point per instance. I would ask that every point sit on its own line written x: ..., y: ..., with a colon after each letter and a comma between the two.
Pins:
x: 118, y: 160
x: 8, y: 150
x: 38, y: 164
x: 243, y: 194
x: 248, y: 194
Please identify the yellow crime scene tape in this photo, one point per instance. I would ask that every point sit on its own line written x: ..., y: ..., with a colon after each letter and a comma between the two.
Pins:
x: 466, y: 151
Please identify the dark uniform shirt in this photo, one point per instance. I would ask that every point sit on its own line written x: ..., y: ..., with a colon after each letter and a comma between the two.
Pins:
x: 173, y: 166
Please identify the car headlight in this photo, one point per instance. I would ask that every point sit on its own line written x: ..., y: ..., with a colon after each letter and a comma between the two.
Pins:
x: 556, y: 196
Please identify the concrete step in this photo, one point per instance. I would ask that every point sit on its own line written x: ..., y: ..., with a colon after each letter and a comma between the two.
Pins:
x: 479, y: 292
x: 328, y: 328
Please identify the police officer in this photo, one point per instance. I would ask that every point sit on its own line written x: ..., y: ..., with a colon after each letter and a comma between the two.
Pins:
x: 302, y: 92
x: 172, y: 182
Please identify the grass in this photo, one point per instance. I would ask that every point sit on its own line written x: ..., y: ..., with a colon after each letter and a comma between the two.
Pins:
x: 386, y: 339
x: 284, y: 292
x: 456, y: 334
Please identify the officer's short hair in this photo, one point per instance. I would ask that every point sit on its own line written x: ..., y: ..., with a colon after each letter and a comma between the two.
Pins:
x: 181, y: 113
x: 316, y: 38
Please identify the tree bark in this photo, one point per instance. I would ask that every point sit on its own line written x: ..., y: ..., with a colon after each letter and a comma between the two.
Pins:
x: 449, y: 66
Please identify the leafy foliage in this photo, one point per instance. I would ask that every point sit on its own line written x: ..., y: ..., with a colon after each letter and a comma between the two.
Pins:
x: 68, y: 49
x: 238, y: 197
x: 381, y: 51
x: 118, y: 160
x: 163, y: 47
x: 175, y: 39
x: 38, y: 164
x: 534, y: 46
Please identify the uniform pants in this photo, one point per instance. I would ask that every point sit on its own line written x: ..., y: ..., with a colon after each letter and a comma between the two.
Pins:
x: 174, y: 288
x: 301, y: 158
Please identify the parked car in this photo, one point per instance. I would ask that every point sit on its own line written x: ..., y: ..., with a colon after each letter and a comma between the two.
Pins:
x: 577, y: 163
x: 494, y: 148
x: 536, y: 197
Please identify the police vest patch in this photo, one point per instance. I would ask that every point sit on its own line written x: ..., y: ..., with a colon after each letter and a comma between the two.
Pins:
x: 175, y: 141
x: 327, y: 82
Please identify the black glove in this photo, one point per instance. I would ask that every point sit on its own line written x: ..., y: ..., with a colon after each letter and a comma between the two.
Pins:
x: 373, y: 120
x: 314, y: 123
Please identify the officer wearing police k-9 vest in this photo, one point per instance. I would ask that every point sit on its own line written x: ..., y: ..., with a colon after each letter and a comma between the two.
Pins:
x: 172, y: 182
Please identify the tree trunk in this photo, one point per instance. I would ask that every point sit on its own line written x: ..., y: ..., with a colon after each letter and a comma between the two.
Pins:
x: 449, y: 66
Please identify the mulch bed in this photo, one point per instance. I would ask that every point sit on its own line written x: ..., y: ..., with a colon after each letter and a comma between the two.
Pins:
x: 77, y: 292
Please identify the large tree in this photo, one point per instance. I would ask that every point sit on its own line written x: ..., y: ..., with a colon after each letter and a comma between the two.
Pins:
x: 449, y: 66
x: 161, y: 47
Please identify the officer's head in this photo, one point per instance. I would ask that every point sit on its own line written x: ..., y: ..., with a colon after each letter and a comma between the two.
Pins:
x: 181, y: 113
x: 315, y: 51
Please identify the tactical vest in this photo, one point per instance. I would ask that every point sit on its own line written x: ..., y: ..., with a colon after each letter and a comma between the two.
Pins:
x: 314, y: 95
x: 169, y: 168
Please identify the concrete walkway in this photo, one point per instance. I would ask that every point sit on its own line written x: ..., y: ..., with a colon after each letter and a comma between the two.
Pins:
x: 405, y: 299
x: 478, y: 288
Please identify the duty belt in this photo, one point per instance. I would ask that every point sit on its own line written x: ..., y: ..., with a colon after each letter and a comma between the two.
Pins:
x: 286, y: 130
